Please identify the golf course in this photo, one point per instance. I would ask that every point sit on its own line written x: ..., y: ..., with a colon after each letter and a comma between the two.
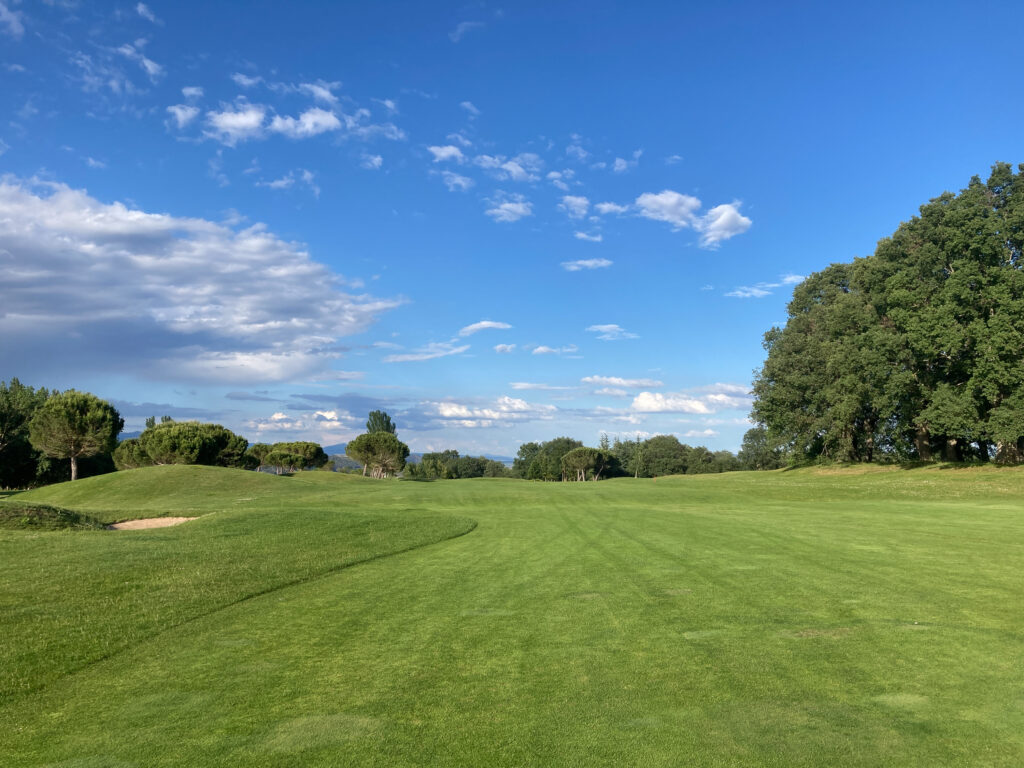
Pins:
x: 864, y: 616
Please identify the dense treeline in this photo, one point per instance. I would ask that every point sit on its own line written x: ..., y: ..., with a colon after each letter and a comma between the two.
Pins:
x: 914, y: 352
x: 449, y: 465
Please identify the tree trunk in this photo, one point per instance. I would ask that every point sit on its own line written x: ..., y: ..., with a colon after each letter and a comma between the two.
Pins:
x: 951, y: 450
x: 924, y: 444
x: 74, y: 467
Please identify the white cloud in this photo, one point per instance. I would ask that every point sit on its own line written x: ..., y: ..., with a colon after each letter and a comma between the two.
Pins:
x: 513, y: 170
x: 149, y: 66
x: 143, y: 10
x: 470, y: 107
x: 504, y: 349
x: 700, y: 433
x: 760, y: 290
x: 721, y: 223
x: 606, y: 208
x: 616, y: 381
x: 611, y: 332
x: 192, y: 92
x: 372, y: 162
x: 12, y: 21
x: 581, y: 264
x: 92, y: 162
x: 611, y: 392
x: 429, y: 352
x: 245, y: 81
x: 389, y: 104
x: 289, y: 180
x: 488, y: 161
x: 310, y: 123
x: 230, y: 125
x: 183, y: 114
x: 575, y: 206
x: 703, y: 400
x: 677, y: 209
x: 577, y: 151
x: 673, y: 159
x: 524, y: 385
x: 326, y: 426
x: 447, y: 152
x: 595, y: 238
x: 4, y: 146
x: 463, y: 28
x: 560, y: 179
x: 458, y: 138
x: 508, y: 208
x: 171, y: 297
x: 504, y: 411
x: 356, y: 126
x: 793, y: 279
x: 456, y: 182
x: 656, y: 402
x: 483, y: 325
x: 546, y: 350
x: 321, y: 91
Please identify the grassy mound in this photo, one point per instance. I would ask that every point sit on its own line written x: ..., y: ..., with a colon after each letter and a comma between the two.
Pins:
x: 22, y: 515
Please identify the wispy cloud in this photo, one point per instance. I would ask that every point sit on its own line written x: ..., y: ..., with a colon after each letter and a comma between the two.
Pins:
x: 504, y: 349
x: 183, y: 114
x: 371, y: 162
x: 246, y: 81
x: 11, y: 21
x: 611, y: 332
x: 760, y: 290
x: 483, y: 325
x: 447, y: 152
x: 143, y: 10
x: 617, y: 381
x: 575, y: 206
x: 546, y: 350
x: 581, y: 264
x: 507, y: 208
x: 526, y: 385
x: 312, y: 122
x: 430, y: 351
x: 463, y: 28
x: 456, y: 182
x: 596, y: 237
x: 470, y: 107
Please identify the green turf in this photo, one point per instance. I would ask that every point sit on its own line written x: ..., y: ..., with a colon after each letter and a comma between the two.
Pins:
x: 859, y: 618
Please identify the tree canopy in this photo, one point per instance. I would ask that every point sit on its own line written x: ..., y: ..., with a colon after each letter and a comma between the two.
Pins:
x: 914, y: 352
x: 72, y: 425
x: 379, y: 421
x: 193, y: 442
x: 381, y: 453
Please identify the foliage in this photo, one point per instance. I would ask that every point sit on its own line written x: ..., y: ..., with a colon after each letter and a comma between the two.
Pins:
x: 130, y: 454
x: 449, y: 465
x: 379, y: 421
x: 380, y: 453
x: 758, y: 451
x: 193, y: 442
x: 18, y: 459
x: 72, y: 425
x: 914, y: 352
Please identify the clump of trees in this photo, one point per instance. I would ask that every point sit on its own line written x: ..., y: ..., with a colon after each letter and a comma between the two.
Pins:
x: 565, y: 459
x: 287, y: 457
x: 379, y: 450
x: 182, y: 442
x: 449, y: 465
x: 914, y: 352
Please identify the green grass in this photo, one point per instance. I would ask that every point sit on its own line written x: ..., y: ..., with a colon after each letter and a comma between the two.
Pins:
x: 812, y: 618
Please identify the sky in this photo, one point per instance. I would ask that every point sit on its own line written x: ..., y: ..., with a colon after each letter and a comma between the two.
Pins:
x: 501, y: 223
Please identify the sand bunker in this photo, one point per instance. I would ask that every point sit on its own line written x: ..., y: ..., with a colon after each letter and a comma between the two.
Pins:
x: 151, y: 522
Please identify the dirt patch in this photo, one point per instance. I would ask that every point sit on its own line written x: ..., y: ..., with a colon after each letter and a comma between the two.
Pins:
x: 151, y: 522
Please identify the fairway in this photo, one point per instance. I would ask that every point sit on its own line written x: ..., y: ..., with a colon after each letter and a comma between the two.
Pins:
x: 864, y: 617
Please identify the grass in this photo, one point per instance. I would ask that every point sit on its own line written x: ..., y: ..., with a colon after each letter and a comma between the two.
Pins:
x: 758, y: 619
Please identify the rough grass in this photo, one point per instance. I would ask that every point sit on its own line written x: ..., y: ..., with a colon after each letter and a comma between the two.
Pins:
x: 807, y: 618
x: 33, y: 516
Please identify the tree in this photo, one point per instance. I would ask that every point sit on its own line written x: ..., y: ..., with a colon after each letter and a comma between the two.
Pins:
x: 379, y: 421
x: 18, y: 460
x: 381, y: 453
x: 72, y: 425
x: 758, y: 452
x: 130, y: 454
x: 916, y: 351
x: 193, y: 442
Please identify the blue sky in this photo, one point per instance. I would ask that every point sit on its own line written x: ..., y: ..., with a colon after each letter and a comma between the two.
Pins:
x: 500, y: 223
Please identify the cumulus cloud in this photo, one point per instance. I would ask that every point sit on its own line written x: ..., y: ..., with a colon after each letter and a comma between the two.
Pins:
x: 700, y: 433
x: 504, y: 411
x: 483, y: 325
x: 508, y: 208
x: 717, y: 225
x: 310, y: 123
x: 606, y: 208
x: 617, y: 381
x: 446, y: 153
x: 231, y: 125
x: 702, y: 400
x: 456, y: 182
x: 590, y: 238
x: 463, y: 28
x: 104, y: 285
x: 182, y: 114
x: 611, y: 332
x: 581, y: 264
x: 656, y: 402
x: 504, y: 349
x: 323, y: 426
x: 428, y: 352
x: 575, y: 206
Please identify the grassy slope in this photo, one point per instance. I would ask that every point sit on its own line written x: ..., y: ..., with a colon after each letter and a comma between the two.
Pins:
x: 70, y: 598
x: 808, y: 618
